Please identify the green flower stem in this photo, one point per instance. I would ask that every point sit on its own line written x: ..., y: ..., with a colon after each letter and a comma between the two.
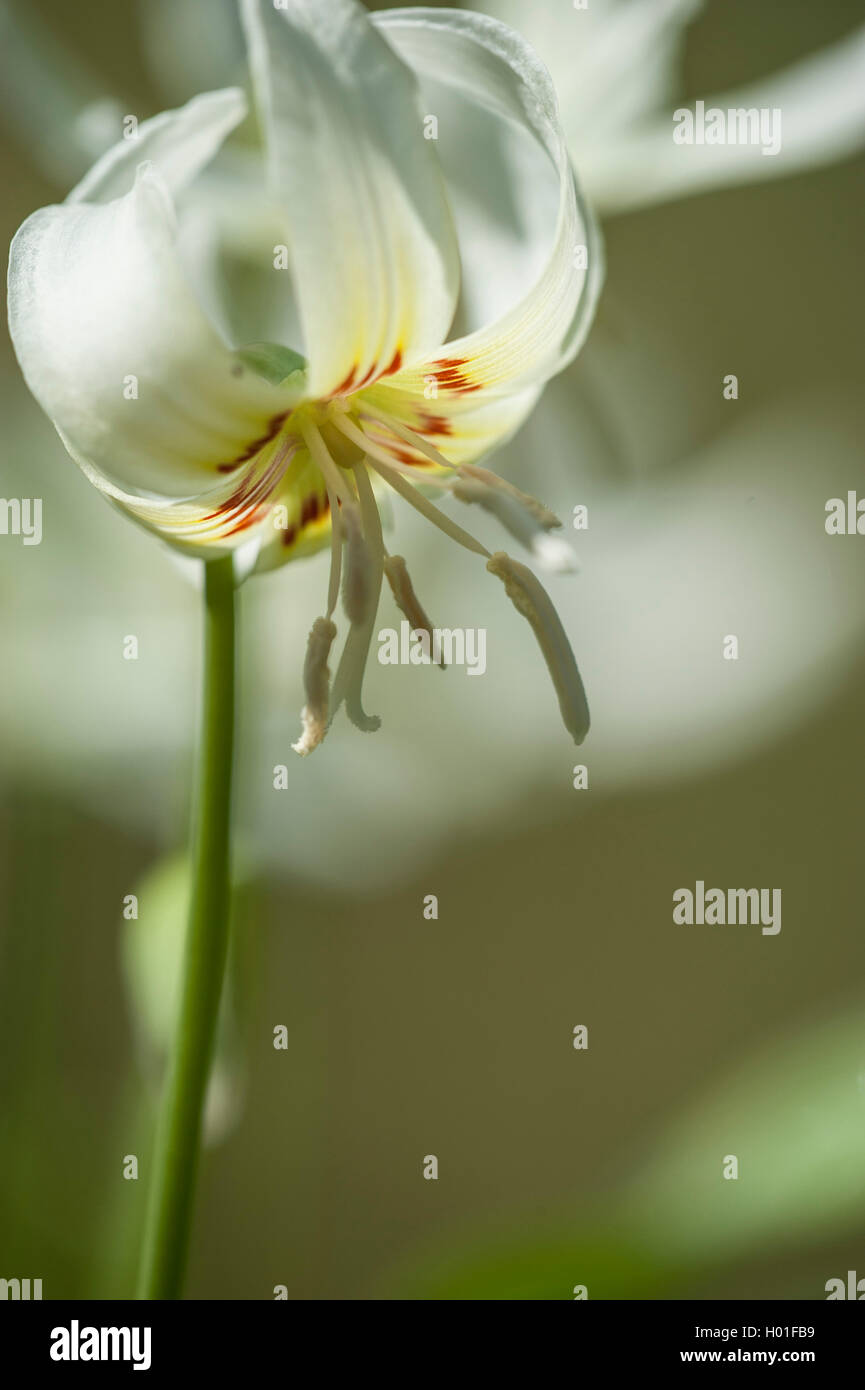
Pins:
x: 175, y: 1161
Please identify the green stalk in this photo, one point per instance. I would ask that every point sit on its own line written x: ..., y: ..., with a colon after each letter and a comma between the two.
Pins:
x: 178, y: 1137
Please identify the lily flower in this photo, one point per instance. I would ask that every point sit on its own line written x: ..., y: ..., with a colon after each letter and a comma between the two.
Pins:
x: 252, y: 448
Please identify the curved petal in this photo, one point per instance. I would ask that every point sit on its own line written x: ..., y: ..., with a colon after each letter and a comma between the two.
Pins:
x: 177, y: 143
x: 118, y: 353
x: 276, y: 509
x: 480, y: 387
x: 371, y: 238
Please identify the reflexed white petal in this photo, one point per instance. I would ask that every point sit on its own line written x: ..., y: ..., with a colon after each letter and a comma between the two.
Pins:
x: 822, y: 104
x: 503, y: 191
x: 370, y: 233
x: 118, y: 353
x: 545, y: 330
x: 177, y: 143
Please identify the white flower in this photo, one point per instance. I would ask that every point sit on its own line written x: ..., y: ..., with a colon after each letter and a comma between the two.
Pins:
x: 750, y: 500
x: 226, y: 446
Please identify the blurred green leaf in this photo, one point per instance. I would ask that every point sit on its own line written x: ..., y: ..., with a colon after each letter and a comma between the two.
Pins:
x: 152, y: 956
x: 794, y: 1116
x: 602, y: 1259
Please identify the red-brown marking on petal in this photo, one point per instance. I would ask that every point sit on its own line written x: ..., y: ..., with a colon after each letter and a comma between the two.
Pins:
x: 435, y: 424
x: 371, y: 375
x: 450, y: 363
x: 449, y: 374
x: 374, y: 373
x: 347, y: 384
x: 237, y: 498
x: 257, y: 514
x: 309, y: 509
x: 250, y: 492
x: 460, y: 385
x: 274, y: 425
x: 405, y: 455
x: 313, y: 508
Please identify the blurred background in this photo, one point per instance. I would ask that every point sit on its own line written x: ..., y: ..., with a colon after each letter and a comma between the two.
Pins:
x: 453, y: 1037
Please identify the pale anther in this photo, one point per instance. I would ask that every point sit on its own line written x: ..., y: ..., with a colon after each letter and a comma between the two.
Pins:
x: 405, y: 597
x: 316, y: 681
x: 531, y: 600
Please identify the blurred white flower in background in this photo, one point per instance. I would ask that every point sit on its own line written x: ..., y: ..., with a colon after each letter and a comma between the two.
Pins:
x: 617, y: 68
x: 685, y: 544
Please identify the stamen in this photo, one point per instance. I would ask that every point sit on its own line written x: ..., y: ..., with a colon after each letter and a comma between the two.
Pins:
x: 348, y: 683
x: 408, y: 436
x: 406, y: 599
x: 334, y: 477
x: 410, y: 470
x: 316, y: 681
x: 363, y: 440
x: 531, y: 600
x: 336, y: 538
x: 542, y: 514
x: 359, y: 577
x: 369, y: 510
x: 526, y: 519
x: 426, y: 508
